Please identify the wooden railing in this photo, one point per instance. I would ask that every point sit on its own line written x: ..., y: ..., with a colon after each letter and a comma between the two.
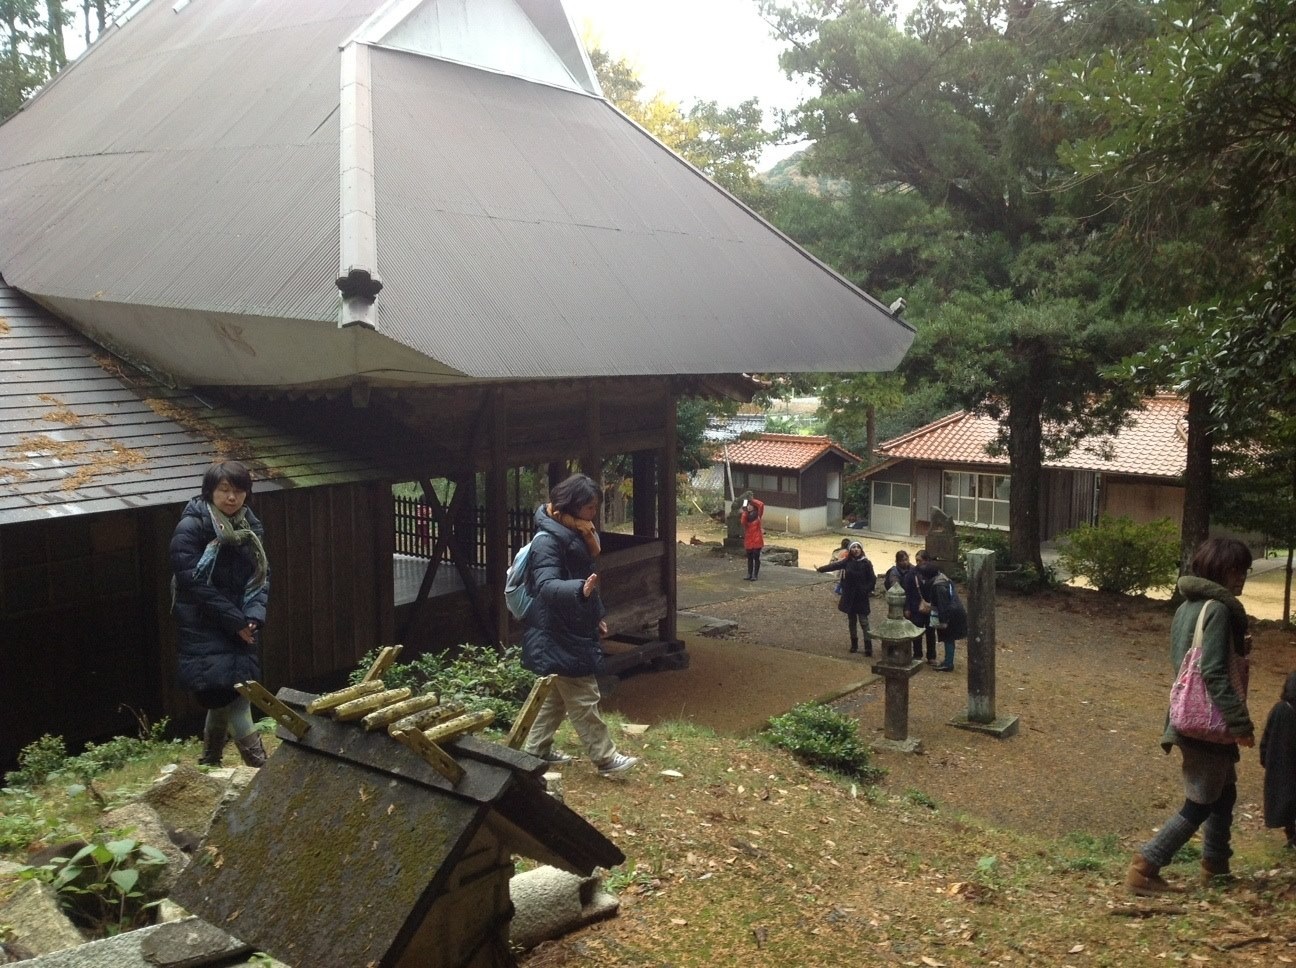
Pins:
x: 416, y: 530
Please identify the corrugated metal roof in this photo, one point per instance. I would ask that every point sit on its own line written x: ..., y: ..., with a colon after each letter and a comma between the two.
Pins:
x: 176, y: 195
x: 82, y: 432
x: 187, y: 161
x: 786, y: 451
x: 1155, y: 444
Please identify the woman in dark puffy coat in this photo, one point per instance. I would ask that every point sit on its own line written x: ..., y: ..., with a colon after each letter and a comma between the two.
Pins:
x: 1278, y: 757
x: 564, y: 625
x: 220, y: 587
x: 947, y: 614
x: 858, y: 581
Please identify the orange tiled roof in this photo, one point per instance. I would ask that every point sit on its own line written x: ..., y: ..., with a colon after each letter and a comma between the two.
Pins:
x: 1154, y: 445
x: 785, y: 451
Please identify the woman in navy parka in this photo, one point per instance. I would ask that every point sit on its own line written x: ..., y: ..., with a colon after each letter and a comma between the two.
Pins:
x: 220, y: 587
x: 564, y: 625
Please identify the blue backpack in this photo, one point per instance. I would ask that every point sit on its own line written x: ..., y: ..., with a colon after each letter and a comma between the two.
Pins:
x: 517, y: 596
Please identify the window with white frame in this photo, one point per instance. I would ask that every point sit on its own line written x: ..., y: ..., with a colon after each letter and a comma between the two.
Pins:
x: 980, y: 499
x: 891, y: 494
x: 750, y: 480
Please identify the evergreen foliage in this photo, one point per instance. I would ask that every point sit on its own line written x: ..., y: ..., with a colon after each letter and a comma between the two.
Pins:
x: 1118, y: 555
x: 48, y: 756
x: 820, y: 736
x: 946, y: 132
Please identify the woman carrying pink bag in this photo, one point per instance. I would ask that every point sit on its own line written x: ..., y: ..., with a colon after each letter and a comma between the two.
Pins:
x: 1213, y: 620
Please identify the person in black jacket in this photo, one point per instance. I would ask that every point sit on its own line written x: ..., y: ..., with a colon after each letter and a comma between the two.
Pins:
x: 910, y: 582
x: 1278, y: 757
x: 858, y: 582
x: 564, y: 625
x: 947, y: 614
x: 219, y: 591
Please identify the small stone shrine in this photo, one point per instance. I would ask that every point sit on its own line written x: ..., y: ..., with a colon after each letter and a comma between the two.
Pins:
x: 361, y: 845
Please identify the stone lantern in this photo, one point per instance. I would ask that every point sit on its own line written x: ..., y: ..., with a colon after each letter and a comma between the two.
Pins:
x: 897, y: 667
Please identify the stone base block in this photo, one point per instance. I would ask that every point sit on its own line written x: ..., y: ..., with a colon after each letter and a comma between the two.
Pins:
x: 911, y: 744
x: 1002, y: 727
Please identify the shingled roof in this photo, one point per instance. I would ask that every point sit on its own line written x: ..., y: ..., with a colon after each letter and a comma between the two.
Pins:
x: 82, y: 431
x: 784, y: 451
x: 277, y: 193
x: 1155, y: 444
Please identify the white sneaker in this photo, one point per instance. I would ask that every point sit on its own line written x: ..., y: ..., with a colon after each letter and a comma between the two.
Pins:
x: 557, y: 758
x: 617, y: 765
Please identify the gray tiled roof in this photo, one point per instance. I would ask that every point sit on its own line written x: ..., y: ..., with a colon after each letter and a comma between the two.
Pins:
x: 176, y: 195
x: 83, y: 432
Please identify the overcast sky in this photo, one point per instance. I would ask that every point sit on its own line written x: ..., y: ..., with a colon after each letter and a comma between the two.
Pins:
x: 694, y: 50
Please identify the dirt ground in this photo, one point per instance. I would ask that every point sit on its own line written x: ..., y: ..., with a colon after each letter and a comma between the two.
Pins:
x: 1086, y: 674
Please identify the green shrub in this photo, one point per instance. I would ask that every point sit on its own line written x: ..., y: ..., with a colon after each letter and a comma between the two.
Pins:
x: 478, y: 676
x: 1117, y: 555
x: 822, y: 737
x: 48, y: 756
x: 991, y: 539
x: 23, y: 820
x: 37, y: 761
x: 100, y: 758
x: 1021, y: 577
x: 106, y: 886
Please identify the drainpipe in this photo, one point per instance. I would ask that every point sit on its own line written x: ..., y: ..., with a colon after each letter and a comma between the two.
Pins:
x: 358, y: 280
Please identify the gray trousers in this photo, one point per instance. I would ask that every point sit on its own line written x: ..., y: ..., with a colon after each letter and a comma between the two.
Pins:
x: 576, y: 698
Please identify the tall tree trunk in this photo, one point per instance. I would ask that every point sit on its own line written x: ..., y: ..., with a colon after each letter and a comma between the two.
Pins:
x: 57, y: 53
x: 1291, y: 540
x: 11, y: 87
x: 101, y: 8
x: 870, y: 433
x: 1026, y: 457
x: 85, y: 10
x: 1197, y: 479
x: 1287, y: 583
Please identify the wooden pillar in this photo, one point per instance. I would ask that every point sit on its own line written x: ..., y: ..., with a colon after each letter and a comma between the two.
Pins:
x: 384, y: 511
x: 666, y: 477
x: 497, y: 547
x: 591, y: 460
x: 644, y: 469
x: 557, y: 473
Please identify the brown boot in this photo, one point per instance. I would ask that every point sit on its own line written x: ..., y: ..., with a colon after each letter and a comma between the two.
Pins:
x: 251, y: 750
x: 1145, y: 880
x: 1214, y: 871
x: 213, y: 747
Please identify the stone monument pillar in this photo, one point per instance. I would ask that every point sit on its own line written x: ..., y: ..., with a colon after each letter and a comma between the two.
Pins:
x: 897, y: 667
x: 981, y: 715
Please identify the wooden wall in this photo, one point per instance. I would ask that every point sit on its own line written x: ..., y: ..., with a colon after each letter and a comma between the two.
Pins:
x: 78, y: 635
x: 1142, y: 500
x: 86, y: 634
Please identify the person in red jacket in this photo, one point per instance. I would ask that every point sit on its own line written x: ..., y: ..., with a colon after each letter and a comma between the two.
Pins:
x: 753, y: 534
